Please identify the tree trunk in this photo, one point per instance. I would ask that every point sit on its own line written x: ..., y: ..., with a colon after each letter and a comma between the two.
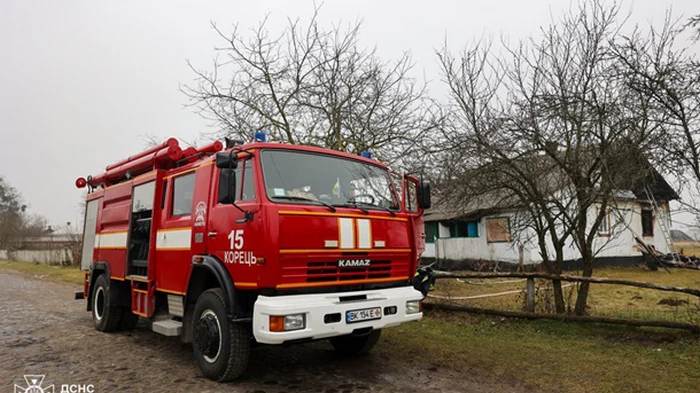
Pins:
x: 582, y: 299
x: 559, y: 306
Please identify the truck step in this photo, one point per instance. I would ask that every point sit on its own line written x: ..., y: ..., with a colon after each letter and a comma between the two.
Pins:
x: 169, y: 327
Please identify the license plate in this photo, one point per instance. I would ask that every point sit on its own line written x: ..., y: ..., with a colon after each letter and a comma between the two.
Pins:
x: 366, y: 314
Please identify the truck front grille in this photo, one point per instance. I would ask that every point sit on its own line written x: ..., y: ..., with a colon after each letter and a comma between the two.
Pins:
x: 328, y: 271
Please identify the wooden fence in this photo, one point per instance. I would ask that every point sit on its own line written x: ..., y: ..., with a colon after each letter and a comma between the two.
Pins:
x: 530, y: 299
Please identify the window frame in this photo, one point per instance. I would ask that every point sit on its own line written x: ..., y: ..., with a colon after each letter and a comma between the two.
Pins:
x: 240, y: 170
x: 486, y: 226
x: 390, y: 180
x: 651, y: 222
x: 173, y: 180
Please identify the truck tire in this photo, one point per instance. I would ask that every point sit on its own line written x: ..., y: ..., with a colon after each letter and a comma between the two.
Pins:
x: 106, y: 312
x: 221, y: 347
x: 128, y: 320
x: 356, y: 345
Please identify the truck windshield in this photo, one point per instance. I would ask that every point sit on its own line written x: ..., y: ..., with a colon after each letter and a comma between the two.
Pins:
x: 300, y: 177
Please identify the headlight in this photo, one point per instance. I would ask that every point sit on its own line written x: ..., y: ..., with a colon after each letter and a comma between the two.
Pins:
x: 413, y: 307
x: 285, y: 323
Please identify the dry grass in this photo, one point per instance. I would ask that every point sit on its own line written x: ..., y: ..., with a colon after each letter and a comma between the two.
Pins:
x: 689, y: 248
x: 550, y: 355
x: 604, y: 300
x: 71, y: 274
x: 561, y: 356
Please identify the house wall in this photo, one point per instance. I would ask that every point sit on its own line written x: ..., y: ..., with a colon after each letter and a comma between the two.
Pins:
x: 50, y: 257
x: 620, y: 243
x: 478, y: 248
x: 444, y: 232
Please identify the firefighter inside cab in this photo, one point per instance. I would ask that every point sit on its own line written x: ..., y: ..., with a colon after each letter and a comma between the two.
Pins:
x: 269, y: 243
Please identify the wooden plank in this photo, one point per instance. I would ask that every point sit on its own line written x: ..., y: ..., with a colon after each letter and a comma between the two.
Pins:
x: 597, y: 280
x: 530, y: 294
x: 560, y: 317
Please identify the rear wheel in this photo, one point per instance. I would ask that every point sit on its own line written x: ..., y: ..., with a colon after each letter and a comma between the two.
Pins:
x: 128, y: 320
x: 106, y: 312
x: 221, y: 347
x: 356, y: 345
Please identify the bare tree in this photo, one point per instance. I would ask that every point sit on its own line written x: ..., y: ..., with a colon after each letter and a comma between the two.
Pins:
x: 16, y: 224
x: 694, y: 22
x: 310, y: 85
x: 555, y: 129
x: 659, y: 68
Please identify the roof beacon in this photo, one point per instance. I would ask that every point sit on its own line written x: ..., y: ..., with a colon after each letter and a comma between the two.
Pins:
x: 260, y: 136
x: 367, y: 154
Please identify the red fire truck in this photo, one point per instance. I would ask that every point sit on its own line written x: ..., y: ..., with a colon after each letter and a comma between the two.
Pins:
x: 252, y: 243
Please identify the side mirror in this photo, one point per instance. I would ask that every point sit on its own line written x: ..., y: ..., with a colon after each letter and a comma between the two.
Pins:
x: 424, y: 195
x: 226, y: 160
x: 227, y: 186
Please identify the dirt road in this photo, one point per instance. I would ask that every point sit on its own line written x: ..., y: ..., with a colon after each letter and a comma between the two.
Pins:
x: 43, y: 331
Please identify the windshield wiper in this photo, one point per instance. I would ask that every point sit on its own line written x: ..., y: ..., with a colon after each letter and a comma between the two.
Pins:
x: 386, y: 209
x: 296, y: 198
x: 353, y: 205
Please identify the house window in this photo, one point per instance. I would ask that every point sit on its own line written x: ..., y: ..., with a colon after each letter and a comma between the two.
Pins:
x: 183, y: 193
x: 604, y: 228
x: 497, y: 229
x: 647, y: 223
x: 464, y: 229
x: 431, y: 231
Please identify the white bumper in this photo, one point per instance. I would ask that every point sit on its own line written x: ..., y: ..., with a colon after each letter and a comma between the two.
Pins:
x: 317, y: 306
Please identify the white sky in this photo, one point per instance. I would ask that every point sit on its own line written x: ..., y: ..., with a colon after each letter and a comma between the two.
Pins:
x: 82, y: 81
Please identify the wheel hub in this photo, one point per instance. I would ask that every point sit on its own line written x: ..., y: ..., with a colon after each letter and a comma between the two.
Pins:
x: 209, y: 336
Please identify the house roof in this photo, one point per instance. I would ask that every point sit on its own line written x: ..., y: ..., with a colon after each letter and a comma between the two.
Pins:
x: 651, y: 185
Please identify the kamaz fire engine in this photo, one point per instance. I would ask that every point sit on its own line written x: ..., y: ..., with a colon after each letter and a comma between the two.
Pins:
x: 228, y: 246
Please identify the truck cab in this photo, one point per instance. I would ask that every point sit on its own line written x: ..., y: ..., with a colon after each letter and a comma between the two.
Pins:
x: 256, y: 243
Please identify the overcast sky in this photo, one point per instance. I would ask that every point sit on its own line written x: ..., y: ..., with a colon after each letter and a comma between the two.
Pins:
x: 81, y: 82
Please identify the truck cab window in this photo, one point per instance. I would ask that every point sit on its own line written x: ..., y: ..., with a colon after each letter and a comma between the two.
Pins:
x: 248, y: 191
x: 183, y: 190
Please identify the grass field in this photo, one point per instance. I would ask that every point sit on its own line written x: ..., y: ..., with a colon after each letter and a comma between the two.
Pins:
x: 57, y: 273
x: 604, y: 300
x: 549, y: 355
x: 689, y: 248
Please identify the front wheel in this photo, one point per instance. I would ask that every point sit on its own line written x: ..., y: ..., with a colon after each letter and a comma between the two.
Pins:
x: 106, y: 313
x: 356, y: 345
x: 221, y: 347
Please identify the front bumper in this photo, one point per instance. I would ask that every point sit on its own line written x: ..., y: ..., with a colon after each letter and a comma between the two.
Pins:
x: 316, y: 306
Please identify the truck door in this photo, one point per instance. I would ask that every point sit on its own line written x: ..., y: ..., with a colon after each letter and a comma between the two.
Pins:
x: 415, y: 213
x: 182, y: 226
x: 232, y: 238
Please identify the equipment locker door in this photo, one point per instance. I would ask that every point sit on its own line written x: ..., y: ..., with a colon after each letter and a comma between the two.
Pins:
x: 89, y: 234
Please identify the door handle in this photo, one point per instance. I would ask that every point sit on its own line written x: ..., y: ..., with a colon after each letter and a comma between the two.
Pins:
x: 212, y: 234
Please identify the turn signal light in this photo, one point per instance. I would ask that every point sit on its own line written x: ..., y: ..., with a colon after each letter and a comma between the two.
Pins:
x: 285, y: 323
x: 276, y: 323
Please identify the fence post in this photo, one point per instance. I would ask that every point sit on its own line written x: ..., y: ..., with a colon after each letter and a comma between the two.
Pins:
x: 530, y: 294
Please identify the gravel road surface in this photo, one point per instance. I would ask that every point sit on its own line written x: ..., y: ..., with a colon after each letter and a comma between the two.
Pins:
x: 44, y: 331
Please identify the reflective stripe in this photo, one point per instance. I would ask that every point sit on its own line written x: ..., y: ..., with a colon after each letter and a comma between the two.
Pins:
x: 347, y: 232
x: 110, y: 240
x: 174, y: 239
x: 364, y: 234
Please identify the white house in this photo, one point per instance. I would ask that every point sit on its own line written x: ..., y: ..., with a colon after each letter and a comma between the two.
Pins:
x: 483, y: 233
